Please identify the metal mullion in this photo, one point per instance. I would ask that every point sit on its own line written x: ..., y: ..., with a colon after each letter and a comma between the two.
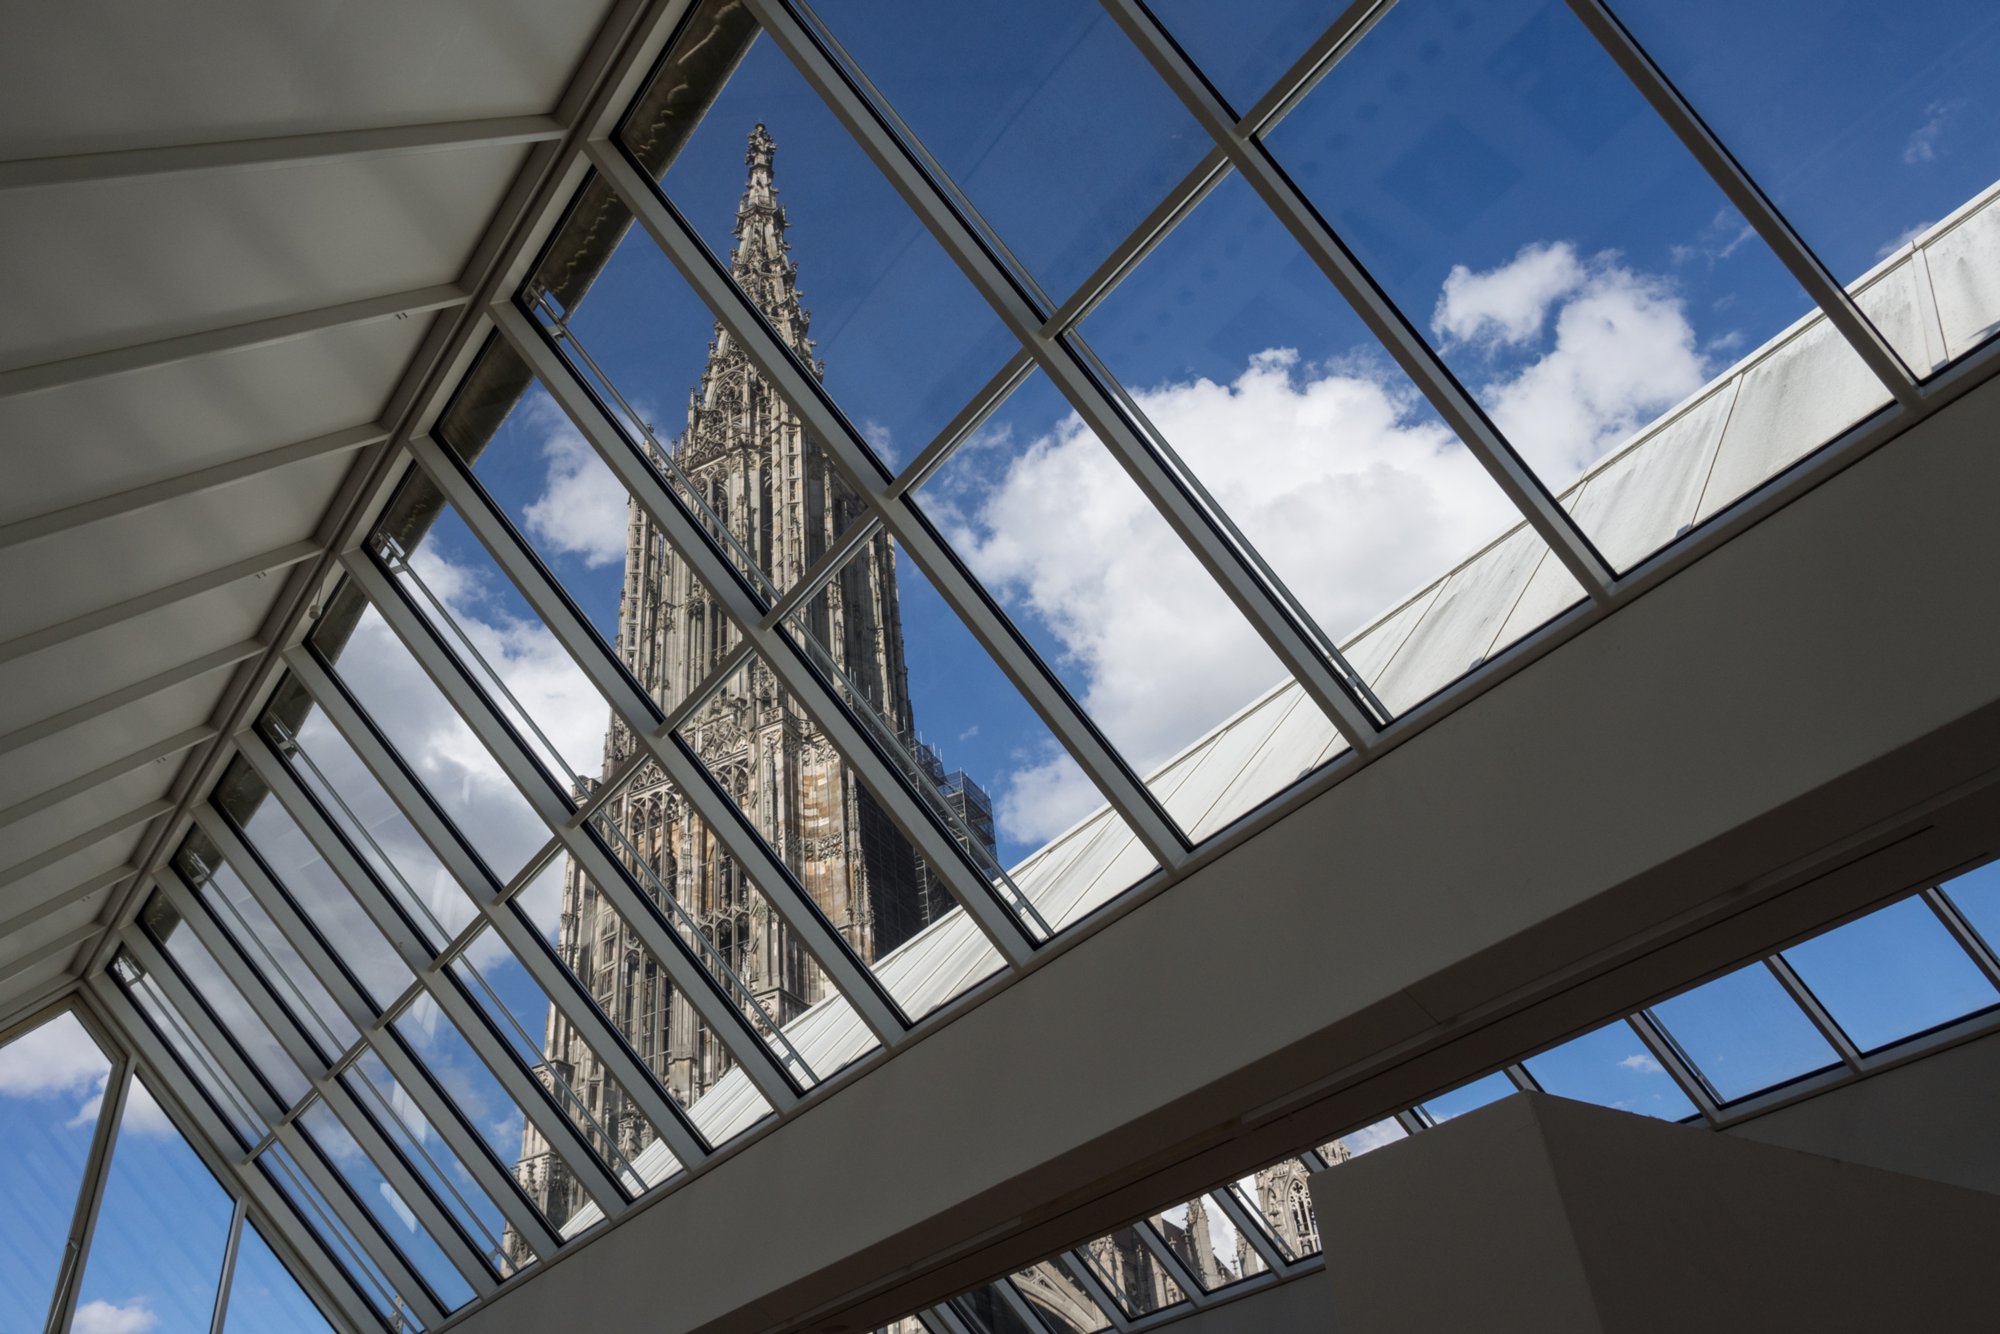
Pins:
x: 1086, y: 1278
x: 529, y: 949
x: 920, y: 544
x: 1749, y: 199
x: 943, y: 1318
x: 324, y: 1076
x: 1211, y: 171
x: 193, y: 1012
x: 275, y: 1219
x: 968, y: 418
x: 404, y: 1282
x: 637, y: 709
x: 745, y: 611
x: 1164, y: 485
x: 1163, y: 1255
x: 1962, y: 931
x: 1679, y: 1068
x: 1822, y: 1018
x: 227, y: 1278
x: 90, y: 1195
x: 1023, y: 1310
x: 1313, y: 64
x: 1252, y: 1226
x: 1416, y: 357
x: 673, y: 954
x: 1413, y: 1121
x: 821, y: 572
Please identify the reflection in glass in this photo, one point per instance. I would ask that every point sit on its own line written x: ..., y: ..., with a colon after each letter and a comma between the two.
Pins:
x: 1050, y: 120
x: 200, y: 1063
x: 263, y: 1295
x: 1208, y: 1245
x: 898, y: 336
x: 388, y: 1208
x: 1889, y: 126
x: 1892, y: 974
x: 1526, y: 208
x: 1242, y: 48
x: 1134, y: 1277
x: 1744, y: 1034
x: 232, y: 1012
x: 285, y: 1173
x: 1060, y: 1301
x: 51, y: 1085
x: 1270, y: 390
x: 1612, y: 1068
x: 156, y: 1254
x: 416, y: 721
x: 1097, y: 581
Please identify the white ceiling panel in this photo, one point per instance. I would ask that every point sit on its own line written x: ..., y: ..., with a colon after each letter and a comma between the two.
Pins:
x: 132, y: 261
x: 90, y: 568
x: 106, y: 436
x: 90, y: 75
x: 37, y: 937
x: 55, y: 760
x: 44, y: 684
x: 85, y: 811
x: 71, y: 871
x: 18, y: 988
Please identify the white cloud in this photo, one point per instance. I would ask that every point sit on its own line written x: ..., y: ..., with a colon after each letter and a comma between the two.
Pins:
x: 102, y: 1317
x: 1641, y: 1063
x: 143, y: 1116
x: 1373, y: 1137
x: 1507, y: 304
x: 57, y: 1057
x: 880, y: 440
x: 1349, y: 487
x: 1923, y: 143
x: 582, y: 509
x: 1903, y: 238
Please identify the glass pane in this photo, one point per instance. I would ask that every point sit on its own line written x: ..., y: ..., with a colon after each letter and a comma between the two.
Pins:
x: 416, y: 720
x: 258, y: 939
x: 285, y: 1173
x: 907, y: 667
x: 1267, y: 385
x: 1050, y: 120
x: 156, y: 1256
x: 331, y: 770
x: 51, y: 1085
x: 390, y: 1104
x: 1490, y: 1088
x: 263, y: 1295
x: 1242, y: 48
x: 1280, y: 1196
x: 1035, y: 505
x: 199, y: 1062
x: 311, y: 884
x: 450, y: 1060
x: 1581, y: 274
x: 1365, y: 1140
x: 1212, y: 1248
x: 987, y: 1311
x: 1061, y: 1301
x: 1611, y: 1068
x: 815, y: 235
x: 1891, y: 974
x: 389, y: 1210
x: 571, y: 1070
x: 727, y: 923
x: 1867, y: 126
x: 1976, y: 894
x: 833, y: 830
x: 1134, y: 1277
x: 232, y: 1012
x: 1744, y: 1034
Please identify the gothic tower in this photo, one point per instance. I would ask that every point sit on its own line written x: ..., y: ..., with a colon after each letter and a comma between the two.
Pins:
x: 747, y: 457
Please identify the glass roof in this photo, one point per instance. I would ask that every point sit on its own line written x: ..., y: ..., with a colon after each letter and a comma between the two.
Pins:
x: 897, y: 515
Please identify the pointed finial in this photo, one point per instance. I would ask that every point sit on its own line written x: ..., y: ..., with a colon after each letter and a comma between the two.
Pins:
x: 761, y: 148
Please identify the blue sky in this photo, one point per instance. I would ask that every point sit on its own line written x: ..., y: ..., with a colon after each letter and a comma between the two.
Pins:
x: 1510, y: 193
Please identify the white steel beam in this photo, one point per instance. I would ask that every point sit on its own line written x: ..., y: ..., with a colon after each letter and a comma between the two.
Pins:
x: 1749, y: 199
x: 631, y: 703
x: 48, y: 375
x: 76, y: 893
x: 275, y: 151
x: 194, y: 586
x: 918, y: 541
x: 50, y: 949
x: 104, y: 773
x: 759, y: 1065
x: 88, y: 839
x: 146, y: 496
x: 90, y: 1195
x: 1416, y: 357
x: 191, y: 670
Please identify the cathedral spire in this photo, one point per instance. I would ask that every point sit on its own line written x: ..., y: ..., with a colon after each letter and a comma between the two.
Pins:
x: 761, y: 261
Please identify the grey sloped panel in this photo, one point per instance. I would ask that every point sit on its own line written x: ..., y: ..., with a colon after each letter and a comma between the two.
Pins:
x: 1897, y: 304
x: 1645, y: 497
x: 1805, y: 392
x: 1458, y: 629
x: 1965, y: 276
x: 1373, y: 650
x: 1299, y: 735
